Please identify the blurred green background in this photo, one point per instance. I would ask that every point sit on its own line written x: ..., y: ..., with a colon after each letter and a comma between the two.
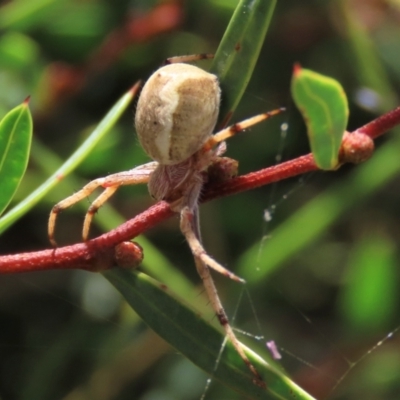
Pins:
x: 319, y: 252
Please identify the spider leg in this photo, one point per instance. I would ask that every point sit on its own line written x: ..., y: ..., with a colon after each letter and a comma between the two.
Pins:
x: 239, y: 127
x: 111, y: 183
x: 190, y: 228
x: 188, y: 58
x: 187, y: 221
x: 94, y: 207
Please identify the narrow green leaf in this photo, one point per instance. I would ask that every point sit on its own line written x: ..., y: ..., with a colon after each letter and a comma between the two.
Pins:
x: 76, y: 158
x: 15, y: 143
x: 369, y: 298
x: 323, y: 104
x: 199, y: 341
x: 238, y: 51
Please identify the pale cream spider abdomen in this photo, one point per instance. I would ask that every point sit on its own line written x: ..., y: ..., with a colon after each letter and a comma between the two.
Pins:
x: 177, y: 112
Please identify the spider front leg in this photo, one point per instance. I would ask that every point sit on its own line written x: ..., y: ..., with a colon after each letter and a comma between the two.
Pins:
x: 111, y: 184
x: 190, y: 228
x: 232, y: 130
x: 188, y: 58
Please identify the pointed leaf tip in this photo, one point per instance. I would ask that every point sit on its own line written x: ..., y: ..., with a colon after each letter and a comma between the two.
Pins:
x: 296, y: 69
x: 135, y: 88
x: 27, y: 100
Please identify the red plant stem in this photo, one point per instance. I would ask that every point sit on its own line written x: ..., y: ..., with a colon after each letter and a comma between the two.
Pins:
x: 99, y: 253
x: 288, y: 169
x: 94, y: 255
x: 382, y: 124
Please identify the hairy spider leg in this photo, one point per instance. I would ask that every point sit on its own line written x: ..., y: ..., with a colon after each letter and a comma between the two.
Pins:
x: 239, y: 127
x: 191, y: 229
x: 110, y: 183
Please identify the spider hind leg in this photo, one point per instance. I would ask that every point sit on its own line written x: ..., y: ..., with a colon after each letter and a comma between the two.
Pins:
x: 190, y: 228
x: 188, y: 221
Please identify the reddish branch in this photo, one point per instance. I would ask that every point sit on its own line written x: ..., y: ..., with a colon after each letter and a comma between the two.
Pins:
x: 111, y: 248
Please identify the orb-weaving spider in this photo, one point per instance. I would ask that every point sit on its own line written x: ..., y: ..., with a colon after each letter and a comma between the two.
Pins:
x: 175, y: 117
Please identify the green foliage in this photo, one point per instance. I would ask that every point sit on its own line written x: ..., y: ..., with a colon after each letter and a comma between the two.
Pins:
x: 15, y: 143
x: 323, y: 104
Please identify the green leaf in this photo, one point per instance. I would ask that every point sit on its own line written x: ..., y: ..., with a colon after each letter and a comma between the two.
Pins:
x: 323, y: 104
x: 369, y: 298
x: 238, y: 51
x: 200, y: 342
x: 15, y: 143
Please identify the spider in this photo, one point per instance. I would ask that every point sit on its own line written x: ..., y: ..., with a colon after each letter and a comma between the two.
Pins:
x: 176, y: 114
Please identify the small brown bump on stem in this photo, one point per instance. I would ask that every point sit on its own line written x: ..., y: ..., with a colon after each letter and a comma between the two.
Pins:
x: 128, y: 255
x: 356, y: 148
